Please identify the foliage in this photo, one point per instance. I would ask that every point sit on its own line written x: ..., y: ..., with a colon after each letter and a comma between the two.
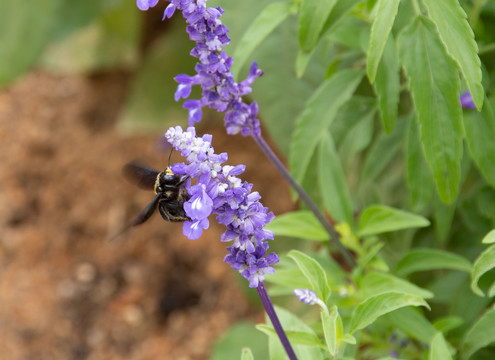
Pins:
x: 410, y: 185
x: 362, y: 97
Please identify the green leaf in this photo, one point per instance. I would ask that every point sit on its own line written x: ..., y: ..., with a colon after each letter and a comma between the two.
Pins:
x: 448, y: 323
x: 489, y: 238
x: 379, y: 283
x: 279, y: 112
x: 26, y: 27
x: 458, y: 38
x: 411, y: 322
x: 484, y: 263
x: 295, y: 337
x: 260, y: 28
x: 319, y: 112
x: 443, y: 217
x: 385, y: 13
x: 239, y: 336
x: 387, y: 86
x: 352, y: 129
x: 439, y: 348
x: 419, y: 179
x: 332, y: 182
x: 480, y: 132
x: 302, y: 61
x: 80, y: 13
x: 491, y: 291
x: 434, y: 84
x: 481, y: 334
x: 110, y: 41
x: 151, y: 103
x: 352, y: 33
x: 314, y: 14
x: 372, y: 308
x: 338, y: 13
x: 430, y: 259
x: 332, y: 328
x: 377, y: 219
x: 247, y: 354
x: 349, y: 339
x: 291, y: 278
x: 313, y: 271
x: 381, y: 153
x: 299, y: 224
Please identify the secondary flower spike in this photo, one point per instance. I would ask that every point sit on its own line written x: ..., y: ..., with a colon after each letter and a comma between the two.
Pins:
x: 219, y: 90
x: 218, y: 190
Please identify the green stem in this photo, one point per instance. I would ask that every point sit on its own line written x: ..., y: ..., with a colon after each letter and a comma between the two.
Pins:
x: 417, y: 9
x: 475, y: 12
x: 486, y: 49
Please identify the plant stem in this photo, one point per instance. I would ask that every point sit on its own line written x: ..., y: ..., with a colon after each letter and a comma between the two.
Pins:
x: 486, y: 49
x: 270, y: 311
x: 416, y: 7
x: 475, y: 12
x: 334, y: 236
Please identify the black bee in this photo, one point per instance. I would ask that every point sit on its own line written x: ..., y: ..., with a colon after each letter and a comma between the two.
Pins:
x: 170, y: 193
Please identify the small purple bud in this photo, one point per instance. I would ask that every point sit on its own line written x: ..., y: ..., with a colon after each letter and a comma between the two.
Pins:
x: 169, y: 11
x: 144, y: 5
x: 467, y: 101
x: 306, y: 296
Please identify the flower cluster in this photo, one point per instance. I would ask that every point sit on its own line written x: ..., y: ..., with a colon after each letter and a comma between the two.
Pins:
x: 218, y: 190
x: 219, y: 90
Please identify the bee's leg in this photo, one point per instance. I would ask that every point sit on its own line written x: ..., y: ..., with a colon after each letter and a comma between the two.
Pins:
x: 164, y: 213
x: 183, y: 180
x: 146, y: 213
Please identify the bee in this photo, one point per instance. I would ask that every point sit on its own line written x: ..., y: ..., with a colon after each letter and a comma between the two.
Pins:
x: 169, y: 189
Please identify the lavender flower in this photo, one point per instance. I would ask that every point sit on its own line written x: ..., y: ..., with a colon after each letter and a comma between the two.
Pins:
x: 219, y: 90
x: 145, y: 4
x: 218, y: 190
x: 467, y: 101
x: 306, y: 296
x: 309, y: 297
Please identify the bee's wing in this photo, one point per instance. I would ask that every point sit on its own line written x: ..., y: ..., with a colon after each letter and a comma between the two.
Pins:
x: 142, y: 176
x: 146, y: 213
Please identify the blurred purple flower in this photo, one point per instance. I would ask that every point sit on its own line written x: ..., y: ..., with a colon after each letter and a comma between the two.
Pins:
x: 145, y: 4
x: 218, y: 190
x: 219, y: 90
x: 306, y: 296
x: 467, y: 101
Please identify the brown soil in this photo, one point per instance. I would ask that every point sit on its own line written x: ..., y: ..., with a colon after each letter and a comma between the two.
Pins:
x: 66, y: 292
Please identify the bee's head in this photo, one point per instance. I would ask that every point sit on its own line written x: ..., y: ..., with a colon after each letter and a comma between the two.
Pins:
x: 168, y: 171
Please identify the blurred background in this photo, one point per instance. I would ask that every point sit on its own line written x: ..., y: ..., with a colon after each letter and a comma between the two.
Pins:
x: 86, y: 86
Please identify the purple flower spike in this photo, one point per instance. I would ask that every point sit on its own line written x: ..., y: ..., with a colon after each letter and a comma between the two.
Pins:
x: 146, y: 4
x: 218, y: 190
x: 467, y: 101
x: 309, y: 297
x: 219, y: 90
x: 306, y: 296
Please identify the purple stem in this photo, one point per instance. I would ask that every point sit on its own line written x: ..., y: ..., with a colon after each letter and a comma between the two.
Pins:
x: 334, y: 236
x: 270, y: 311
